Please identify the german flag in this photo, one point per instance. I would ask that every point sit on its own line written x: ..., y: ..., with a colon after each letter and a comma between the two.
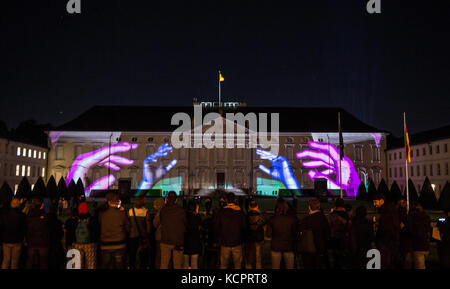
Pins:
x: 408, y: 150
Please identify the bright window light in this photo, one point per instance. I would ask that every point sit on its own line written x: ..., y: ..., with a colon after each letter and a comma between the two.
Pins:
x: 18, y: 170
x: 23, y: 171
x: 43, y: 172
x: 18, y: 151
x: 39, y: 156
x: 34, y: 154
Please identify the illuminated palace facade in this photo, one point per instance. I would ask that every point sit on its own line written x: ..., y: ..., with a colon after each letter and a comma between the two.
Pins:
x: 109, y: 143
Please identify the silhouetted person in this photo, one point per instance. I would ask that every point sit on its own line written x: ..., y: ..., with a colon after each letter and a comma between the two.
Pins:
x: 255, y: 236
x: 318, y: 224
x: 37, y: 235
x: 173, y: 227
x: 192, y: 239
x: 13, y: 225
x: 444, y: 244
x: 140, y: 226
x: 282, y: 229
x: 230, y: 225
x: 340, y: 228
x: 114, y: 228
x: 361, y: 238
x: 387, y: 235
x: 421, y: 235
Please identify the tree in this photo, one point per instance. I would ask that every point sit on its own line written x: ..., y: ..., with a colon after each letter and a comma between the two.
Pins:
x: 444, y: 199
x: 371, y: 191
x: 62, y: 189
x: 427, y: 196
x: 72, y: 190
x: 52, y: 188
x: 24, y: 189
x: 6, y: 194
x: 413, y: 196
x: 383, y: 189
x: 80, y: 188
x: 39, y: 189
x: 362, y: 193
x: 396, y: 193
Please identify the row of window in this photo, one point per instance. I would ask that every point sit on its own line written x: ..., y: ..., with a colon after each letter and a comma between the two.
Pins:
x: 28, y: 171
x: 415, y: 171
x: 35, y: 154
x: 417, y: 152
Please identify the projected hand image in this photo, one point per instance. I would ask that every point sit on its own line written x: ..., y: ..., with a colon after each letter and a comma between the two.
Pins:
x: 281, y: 169
x: 325, y: 161
x: 153, y: 175
x: 104, y: 156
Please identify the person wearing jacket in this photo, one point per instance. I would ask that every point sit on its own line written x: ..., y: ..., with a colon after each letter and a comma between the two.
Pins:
x: 114, y: 228
x: 158, y: 204
x: 340, y: 228
x: 82, y: 234
x: 388, y: 228
x: 230, y: 225
x: 420, y: 229
x: 444, y: 244
x: 255, y: 236
x: 173, y: 227
x: 361, y: 237
x: 37, y: 235
x: 13, y: 232
x: 192, y: 241
x: 140, y: 226
x: 282, y: 229
x: 318, y: 224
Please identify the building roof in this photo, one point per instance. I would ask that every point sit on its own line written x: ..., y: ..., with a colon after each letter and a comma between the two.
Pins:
x: 158, y: 118
x: 421, y: 137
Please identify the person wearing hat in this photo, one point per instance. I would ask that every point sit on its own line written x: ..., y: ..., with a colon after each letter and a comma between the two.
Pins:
x: 82, y: 234
x: 388, y: 226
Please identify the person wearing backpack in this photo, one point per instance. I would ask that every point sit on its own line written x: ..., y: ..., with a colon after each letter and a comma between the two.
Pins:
x: 255, y: 236
x: 82, y: 235
x: 139, y: 241
x: 37, y: 235
x: 316, y: 230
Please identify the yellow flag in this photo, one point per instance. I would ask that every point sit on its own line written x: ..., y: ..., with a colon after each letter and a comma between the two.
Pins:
x: 221, y: 79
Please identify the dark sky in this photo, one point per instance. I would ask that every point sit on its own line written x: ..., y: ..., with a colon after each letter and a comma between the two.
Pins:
x: 54, y: 65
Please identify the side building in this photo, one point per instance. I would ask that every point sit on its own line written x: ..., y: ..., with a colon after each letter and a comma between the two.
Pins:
x: 430, y: 157
x: 307, y: 143
x: 18, y: 160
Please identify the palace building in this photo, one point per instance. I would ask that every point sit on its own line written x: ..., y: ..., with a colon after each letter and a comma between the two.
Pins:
x: 110, y: 143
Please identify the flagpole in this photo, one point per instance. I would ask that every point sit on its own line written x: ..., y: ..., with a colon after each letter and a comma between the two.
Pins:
x: 340, y: 157
x: 406, y: 162
x: 220, y: 90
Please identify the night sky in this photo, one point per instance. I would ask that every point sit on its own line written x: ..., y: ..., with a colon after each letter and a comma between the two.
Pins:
x: 54, y: 65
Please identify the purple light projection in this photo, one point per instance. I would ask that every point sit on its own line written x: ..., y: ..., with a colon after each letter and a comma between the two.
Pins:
x: 377, y: 136
x: 327, y: 156
x: 102, y: 157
